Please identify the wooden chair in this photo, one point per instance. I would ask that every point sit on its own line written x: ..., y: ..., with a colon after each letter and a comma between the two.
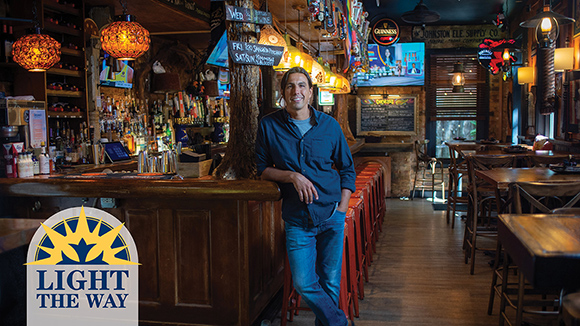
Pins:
x: 428, y: 171
x: 544, y: 160
x: 457, y: 171
x: 543, y: 197
x: 556, y: 197
x: 483, y: 205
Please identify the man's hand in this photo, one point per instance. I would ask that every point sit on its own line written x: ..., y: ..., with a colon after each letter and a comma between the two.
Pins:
x: 306, y: 190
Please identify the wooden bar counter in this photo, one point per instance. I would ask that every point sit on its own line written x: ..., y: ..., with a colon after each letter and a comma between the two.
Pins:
x: 211, y: 252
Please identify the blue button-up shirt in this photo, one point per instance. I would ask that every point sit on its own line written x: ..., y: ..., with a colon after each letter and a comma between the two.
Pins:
x: 280, y: 145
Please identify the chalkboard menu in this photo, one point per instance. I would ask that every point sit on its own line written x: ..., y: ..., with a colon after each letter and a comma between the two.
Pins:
x: 254, y: 53
x: 391, y: 116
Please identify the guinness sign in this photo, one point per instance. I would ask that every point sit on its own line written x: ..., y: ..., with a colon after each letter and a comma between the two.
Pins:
x: 385, y: 32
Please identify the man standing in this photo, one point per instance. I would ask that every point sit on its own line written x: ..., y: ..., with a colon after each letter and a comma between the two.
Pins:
x: 298, y: 147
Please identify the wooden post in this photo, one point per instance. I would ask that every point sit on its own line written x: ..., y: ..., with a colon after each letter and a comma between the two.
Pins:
x: 239, y: 159
x: 341, y: 115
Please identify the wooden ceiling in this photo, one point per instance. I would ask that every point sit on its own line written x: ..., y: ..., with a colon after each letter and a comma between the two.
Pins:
x: 165, y: 20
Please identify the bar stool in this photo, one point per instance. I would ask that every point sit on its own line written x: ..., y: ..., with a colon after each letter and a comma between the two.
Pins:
x: 426, y: 171
x: 370, y: 211
x: 365, y: 231
x: 373, y: 176
x: 379, y: 170
x: 356, y: 204
x: 349, y: 262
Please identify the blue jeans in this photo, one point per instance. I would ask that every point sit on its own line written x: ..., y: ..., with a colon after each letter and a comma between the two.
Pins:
x: 315, y: 257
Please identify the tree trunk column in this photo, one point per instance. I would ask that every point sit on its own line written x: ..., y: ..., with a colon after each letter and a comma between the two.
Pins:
x: 341, y: 115
x: 239, y: 159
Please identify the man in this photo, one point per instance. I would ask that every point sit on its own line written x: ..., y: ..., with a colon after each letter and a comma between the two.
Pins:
x: 297, y: 147
x: 414, y: 70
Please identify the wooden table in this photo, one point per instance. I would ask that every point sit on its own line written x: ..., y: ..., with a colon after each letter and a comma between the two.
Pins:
x: 546, y: 249
x: 502, y: 177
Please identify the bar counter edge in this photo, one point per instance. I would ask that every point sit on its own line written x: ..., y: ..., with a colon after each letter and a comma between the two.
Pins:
x: 211, y: 251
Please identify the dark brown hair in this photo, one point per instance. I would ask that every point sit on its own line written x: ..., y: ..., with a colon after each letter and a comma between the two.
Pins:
x: 294, y: 70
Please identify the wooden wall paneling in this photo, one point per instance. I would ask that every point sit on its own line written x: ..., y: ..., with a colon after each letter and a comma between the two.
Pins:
x: 144, y: 227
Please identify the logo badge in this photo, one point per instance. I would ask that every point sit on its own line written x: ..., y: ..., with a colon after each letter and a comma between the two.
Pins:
x: 82, y: 269
x: 385, y: 32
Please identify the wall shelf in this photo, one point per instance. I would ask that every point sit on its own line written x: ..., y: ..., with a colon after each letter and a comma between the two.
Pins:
x: 71, y: 52
x: 65, y: 72
x: 68, y: 115
x: 50, y: 92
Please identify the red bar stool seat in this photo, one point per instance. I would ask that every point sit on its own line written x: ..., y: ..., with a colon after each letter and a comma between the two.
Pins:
x: 364, y: 191
x: 356, y: 204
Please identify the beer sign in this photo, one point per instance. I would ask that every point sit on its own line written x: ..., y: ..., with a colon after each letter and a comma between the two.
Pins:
x: 385, y: 32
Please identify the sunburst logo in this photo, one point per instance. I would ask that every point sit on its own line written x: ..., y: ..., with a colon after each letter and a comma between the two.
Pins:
x: 82, y: 268
x: 82, y: 240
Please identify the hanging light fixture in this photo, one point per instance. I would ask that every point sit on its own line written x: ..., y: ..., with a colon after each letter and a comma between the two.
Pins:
x: 547, y: 25
x: 125, y: 39
x: 36, y: 52
x: 269, y: 36
x: 317, y: 74
x: 458, y: 79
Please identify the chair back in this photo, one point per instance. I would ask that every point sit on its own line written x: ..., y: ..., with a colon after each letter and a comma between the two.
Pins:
x: 421, y: 151
x: 457, y: 155
x: 544, y: 160
x: 545, y: 196
x: 483, y: 163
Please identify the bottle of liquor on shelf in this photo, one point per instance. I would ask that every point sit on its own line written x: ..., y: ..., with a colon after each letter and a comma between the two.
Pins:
x: 7, y: 40
x: 44, y: 160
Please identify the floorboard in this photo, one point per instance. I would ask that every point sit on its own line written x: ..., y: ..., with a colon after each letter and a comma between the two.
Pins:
x: 418, y: 276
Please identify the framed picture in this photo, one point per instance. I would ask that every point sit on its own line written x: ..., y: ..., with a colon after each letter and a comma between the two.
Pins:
x: 576, y: 5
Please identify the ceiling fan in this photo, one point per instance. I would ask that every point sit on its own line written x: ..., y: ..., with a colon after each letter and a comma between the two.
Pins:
x: 420, y: 15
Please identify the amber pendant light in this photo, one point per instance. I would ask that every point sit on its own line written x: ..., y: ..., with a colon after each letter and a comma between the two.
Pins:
x: 36, y: 52
x: 125, y: 39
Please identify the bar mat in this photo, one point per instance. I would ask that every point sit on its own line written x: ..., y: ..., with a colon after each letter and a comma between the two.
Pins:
x: 155, y: 176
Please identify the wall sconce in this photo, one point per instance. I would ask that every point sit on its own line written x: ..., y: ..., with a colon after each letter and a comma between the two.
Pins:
x: 526, y: 75
x: 458, y: 79
x: 563, y: 59
x: 547, y: 25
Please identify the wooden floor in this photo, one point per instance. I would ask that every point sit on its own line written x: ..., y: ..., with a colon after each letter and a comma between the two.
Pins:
x: 418, y: 276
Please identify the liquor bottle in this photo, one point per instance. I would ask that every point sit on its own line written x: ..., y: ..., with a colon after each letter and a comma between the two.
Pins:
x: 8, y: 41
x: 2, y: 37
x: 44, y: 160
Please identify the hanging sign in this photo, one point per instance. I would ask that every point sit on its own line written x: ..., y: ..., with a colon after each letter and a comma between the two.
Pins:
x: 385, y: 32
x: 255, y: 54
x: 490, y: 54
x: 248, y: 15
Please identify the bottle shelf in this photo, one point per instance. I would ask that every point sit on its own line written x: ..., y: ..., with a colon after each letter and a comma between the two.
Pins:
x: 71, y: 52
x: 51, y: 92
x: 68, y: 115
x: 65, y: 72
x: 62, y: 29
x: 58, y: 8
